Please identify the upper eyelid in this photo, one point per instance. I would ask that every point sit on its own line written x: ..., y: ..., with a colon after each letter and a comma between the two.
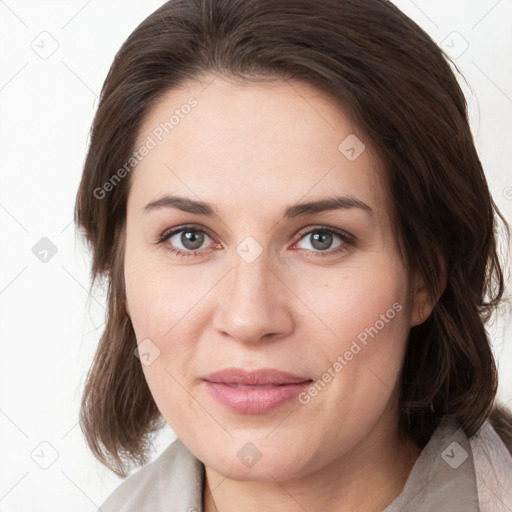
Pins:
x: 173, y: 231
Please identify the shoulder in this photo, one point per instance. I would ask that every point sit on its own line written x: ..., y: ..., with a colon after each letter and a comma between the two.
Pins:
x: 493, y: 468
x: 172, y: 482
x: 457, y: 473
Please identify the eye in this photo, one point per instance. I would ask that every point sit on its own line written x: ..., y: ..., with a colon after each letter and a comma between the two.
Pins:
x: 321, y: 241
x: 189, y: 238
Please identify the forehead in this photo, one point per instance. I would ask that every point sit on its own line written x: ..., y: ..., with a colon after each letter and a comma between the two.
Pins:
x: 233, y: 142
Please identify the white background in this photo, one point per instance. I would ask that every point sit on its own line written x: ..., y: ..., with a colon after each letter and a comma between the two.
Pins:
x: 49, y: 326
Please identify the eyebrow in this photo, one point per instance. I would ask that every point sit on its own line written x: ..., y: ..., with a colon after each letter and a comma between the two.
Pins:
x: 201, y: 208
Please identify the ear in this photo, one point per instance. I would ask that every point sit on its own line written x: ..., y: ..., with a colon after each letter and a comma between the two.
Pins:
x: 422, y: 303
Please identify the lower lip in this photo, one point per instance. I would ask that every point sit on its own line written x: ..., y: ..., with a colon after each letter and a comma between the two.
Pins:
x: 254, y: 400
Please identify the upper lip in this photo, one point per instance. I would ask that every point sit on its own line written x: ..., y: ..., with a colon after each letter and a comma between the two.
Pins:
x: 259, y: 377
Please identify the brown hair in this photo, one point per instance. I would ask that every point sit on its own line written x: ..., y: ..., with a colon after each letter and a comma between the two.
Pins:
x: 397, y: 86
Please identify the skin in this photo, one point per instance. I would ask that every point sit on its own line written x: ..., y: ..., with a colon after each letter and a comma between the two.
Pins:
x: 251, y: 150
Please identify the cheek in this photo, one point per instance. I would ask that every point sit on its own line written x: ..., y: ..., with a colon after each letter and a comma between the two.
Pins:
x: 367, y: 314
x: 167, y: 308
x: 348, y: 301
x: 164, y: 320
x: 159, y: 297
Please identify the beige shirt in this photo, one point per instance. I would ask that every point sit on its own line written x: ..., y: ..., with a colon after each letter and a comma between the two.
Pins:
x: 452, y: 474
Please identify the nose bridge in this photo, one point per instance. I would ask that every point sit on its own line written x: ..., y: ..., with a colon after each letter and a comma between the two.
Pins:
x: 251, y: 281
x: 252, y: 303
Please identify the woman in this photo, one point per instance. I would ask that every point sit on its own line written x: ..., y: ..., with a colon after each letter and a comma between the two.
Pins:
x: 300, y: 250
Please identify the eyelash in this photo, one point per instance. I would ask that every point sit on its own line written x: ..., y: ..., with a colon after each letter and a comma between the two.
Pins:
x: 348, y: 240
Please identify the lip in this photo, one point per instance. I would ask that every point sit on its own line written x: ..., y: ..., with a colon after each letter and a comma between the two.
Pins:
x: 254, y: 392
x: 259, y: 377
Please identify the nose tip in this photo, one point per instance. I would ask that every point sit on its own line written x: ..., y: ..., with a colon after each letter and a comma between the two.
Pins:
x: 253, y: 303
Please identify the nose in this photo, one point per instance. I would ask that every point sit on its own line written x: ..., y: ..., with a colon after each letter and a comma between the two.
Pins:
x: 253, y: 303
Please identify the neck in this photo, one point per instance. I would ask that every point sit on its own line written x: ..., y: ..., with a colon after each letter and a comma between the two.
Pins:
x: 342, y: 485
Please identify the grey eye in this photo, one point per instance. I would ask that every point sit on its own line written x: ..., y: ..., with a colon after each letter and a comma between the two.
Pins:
x: 190, y: 239
x: 320, y: 240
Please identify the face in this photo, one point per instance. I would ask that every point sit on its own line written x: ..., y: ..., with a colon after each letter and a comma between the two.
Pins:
x: 252, y: 280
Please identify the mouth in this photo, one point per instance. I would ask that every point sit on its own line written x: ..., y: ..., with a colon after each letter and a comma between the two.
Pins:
x: 246, y: 386
x: 261, y: 377
x: 254, y: 392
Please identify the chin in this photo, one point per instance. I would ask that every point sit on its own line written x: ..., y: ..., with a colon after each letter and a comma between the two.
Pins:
x: 248, y: 463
